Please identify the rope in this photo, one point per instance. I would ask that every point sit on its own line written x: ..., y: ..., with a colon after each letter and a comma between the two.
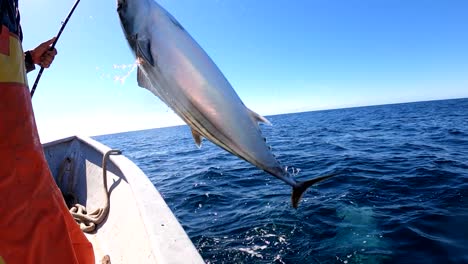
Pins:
x: 87, y: 221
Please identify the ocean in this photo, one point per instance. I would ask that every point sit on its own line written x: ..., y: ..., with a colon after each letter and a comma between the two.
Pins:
x: 400, y: 194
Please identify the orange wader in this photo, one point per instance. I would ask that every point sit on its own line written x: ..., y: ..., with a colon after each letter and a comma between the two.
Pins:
x: 35, y: 225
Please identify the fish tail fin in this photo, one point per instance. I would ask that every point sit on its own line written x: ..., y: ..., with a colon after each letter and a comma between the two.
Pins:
x: 301, y: 186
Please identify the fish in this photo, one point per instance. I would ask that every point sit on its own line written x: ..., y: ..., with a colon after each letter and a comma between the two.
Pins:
x: 175, y: 68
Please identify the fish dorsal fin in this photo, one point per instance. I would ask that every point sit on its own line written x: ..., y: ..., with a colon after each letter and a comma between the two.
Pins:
x: 197, y: 137
x: 259, y: 118
x: 142, y: 79
x: 143, y: 50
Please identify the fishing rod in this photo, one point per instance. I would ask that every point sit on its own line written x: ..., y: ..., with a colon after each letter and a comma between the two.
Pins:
x: 64, y: 23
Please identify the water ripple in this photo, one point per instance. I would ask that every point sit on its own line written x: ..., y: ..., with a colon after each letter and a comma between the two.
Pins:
x: 400, y: 194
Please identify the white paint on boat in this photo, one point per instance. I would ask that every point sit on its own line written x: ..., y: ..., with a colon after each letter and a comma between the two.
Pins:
x: 140, y: 227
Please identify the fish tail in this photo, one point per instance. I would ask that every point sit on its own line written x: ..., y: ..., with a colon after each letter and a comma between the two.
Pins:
x: 301, y: 186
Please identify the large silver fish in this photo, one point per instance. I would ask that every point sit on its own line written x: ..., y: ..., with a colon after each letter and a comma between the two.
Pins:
x: 177, y: 70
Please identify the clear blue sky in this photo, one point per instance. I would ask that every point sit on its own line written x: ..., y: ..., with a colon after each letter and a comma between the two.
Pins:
x: 280, y: 56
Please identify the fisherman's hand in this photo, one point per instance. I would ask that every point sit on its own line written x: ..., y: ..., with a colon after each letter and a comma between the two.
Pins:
x: 43, y: 55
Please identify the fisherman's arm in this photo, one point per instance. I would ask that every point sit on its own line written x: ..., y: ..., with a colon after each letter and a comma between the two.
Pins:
x: 42, y: 55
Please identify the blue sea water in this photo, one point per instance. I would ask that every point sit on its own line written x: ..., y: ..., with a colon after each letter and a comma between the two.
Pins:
x: 400, y: 194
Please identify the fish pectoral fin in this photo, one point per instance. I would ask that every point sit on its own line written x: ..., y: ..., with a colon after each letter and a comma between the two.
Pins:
x: 142, y: 79
x: 197, y: 137
x: 259, y: 118
x: 143, y: 50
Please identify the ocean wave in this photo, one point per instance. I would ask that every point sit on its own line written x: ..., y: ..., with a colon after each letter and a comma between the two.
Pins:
x: 400, y: 194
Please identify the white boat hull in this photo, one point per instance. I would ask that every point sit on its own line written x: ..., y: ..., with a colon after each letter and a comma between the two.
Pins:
x: 140, y: 227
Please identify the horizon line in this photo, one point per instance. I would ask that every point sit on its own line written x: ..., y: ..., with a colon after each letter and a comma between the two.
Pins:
x: 298, y: 112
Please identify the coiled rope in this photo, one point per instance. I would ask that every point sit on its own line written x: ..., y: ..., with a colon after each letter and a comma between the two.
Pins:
x: 87, y: 221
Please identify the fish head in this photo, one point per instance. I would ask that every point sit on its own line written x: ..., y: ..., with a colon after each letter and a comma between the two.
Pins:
x: 132, y: 15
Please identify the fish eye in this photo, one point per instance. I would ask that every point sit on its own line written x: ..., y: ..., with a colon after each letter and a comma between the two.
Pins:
x: 121, y: 4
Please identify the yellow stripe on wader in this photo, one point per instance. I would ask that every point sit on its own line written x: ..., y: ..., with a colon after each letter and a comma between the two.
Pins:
x: 2, y: 261
x: 12, y: 69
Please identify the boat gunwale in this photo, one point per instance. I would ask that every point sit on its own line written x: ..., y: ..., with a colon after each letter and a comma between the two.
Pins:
x: 169, y: 241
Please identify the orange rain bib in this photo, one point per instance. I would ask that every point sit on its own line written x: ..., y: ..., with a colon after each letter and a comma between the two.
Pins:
x: 35, y: 225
